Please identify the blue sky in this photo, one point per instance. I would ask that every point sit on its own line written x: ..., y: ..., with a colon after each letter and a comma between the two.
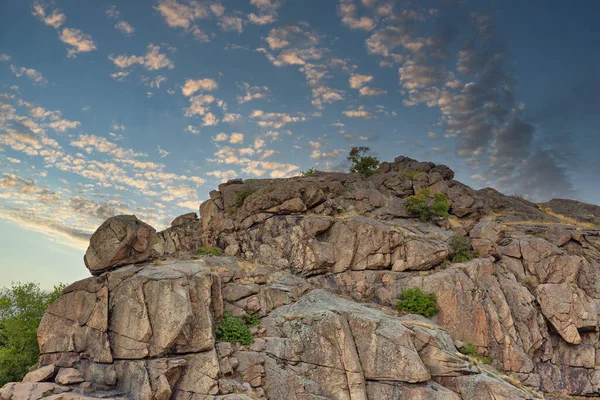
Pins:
x: 143, y: 107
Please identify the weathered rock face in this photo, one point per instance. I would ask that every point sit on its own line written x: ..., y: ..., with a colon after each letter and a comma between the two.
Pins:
x: 147, y: 332
x: 321, y: 261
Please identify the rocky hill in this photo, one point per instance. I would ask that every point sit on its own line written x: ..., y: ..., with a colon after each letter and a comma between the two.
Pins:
x: 315, y: 266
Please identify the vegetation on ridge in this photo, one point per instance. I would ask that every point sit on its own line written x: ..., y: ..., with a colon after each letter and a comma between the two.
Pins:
x: 22, y: 307
x: 361, y: 163
x: 210, y: 251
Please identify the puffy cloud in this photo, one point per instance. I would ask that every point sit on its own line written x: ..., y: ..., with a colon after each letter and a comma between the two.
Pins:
x: 224, y: 176
x: 79, y: 41
x: 347, y: 10
x: 193, y: 85
x: 325, y: 94
x: 236, y: 138
x: 418, y: 76
x: 252, y: 92
x: 327, y: 155
x: 54, y: 19
x: 230, y: 118
x: 30, y: 73
x: 119, y: 76
x: 361, y: 113
x: 4, y: 57
x: 267, y: 11
x: 357, y: 80
x: 153, y: 60
x: 221, y: 137
x: 198, y: 105
x: 124, y: 27
x: 179, y: 15
x: 210, y: 119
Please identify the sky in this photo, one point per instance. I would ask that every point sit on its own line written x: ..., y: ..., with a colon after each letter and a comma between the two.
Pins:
x: 143, y: 107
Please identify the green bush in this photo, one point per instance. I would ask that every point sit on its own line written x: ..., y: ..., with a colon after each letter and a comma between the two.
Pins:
x: 427, y: 206
x: 210, y: 251
x: 22, y: 307
x: 470, y: 350
x: 308, y: 172
x: 411, y: 174
x: 235, y: 329
x: 242, y: 196
x: 462, y: 249
x: 361, y: 163
x: 415, y: 301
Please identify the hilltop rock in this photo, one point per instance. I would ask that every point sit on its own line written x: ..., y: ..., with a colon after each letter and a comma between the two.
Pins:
x: 321, y: 261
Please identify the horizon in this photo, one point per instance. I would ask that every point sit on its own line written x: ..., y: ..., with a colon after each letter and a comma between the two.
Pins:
x: 123, y: 108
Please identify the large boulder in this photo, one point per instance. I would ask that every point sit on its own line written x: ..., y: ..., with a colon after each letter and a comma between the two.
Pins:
x: 119, y: 241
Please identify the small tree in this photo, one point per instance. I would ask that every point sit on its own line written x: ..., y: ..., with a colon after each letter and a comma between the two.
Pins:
x: 427, y: 206
x: 361, y: 163
x: 308, y: 172
x: 22, y: 307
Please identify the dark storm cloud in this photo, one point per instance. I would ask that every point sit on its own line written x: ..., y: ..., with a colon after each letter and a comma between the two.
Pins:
x: 452, y: 59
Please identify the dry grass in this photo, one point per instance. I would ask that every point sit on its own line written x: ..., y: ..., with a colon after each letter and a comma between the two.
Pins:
x: 419, y: 323
x: 568, y: 220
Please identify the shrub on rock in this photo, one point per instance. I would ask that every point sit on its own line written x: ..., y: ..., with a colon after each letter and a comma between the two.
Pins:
x: 461, y: 247
x: 428, y: 206
x: 415, y: 301
x: 235, y: 330
x: 210, y: 251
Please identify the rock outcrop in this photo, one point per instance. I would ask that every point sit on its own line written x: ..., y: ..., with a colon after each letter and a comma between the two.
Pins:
x: 320, y: 262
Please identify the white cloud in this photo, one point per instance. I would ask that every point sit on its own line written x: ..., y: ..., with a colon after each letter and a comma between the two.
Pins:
x: 54, y: 19
x: 210, y: 120
x: 217, y: 9
x: 80, y: 42
x: 193, y: 85
x: 155, y: 83
x: 267, y: 11
x: 179, y: 15
x: 193, y: 130
x: 162, y: 152
x: 252, y: 92
x: 347, y: 10
x: 371, y: 91
x: 4, y: 57
x: 224, y: 176
x: 432, y: 135
x: 361, y: 113
x: 231, y: 24
x: 30, y: 73
x: 275, y: 120
x: 153, y: 60
x: 221, y: 137
x: 124, y: 27
x: 119, y: 76
x: 112, y: 12
x: 357, y: 80
x: 230, y: 118
x: 236, y: 138
x: 198, y: 105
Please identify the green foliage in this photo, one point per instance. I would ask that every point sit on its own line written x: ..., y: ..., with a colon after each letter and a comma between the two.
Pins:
x: 251, y: 320
x: 470, y: 350
x: 427, y: 206
x: 210, y: 251
x: 308, y: 172
x: 411, y: 174
x: 361, y: 163
x: 236, y: 330
x: 463, y: 251
x: 22, y: 307
x: 415, y: 301
x: 242, y: 196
